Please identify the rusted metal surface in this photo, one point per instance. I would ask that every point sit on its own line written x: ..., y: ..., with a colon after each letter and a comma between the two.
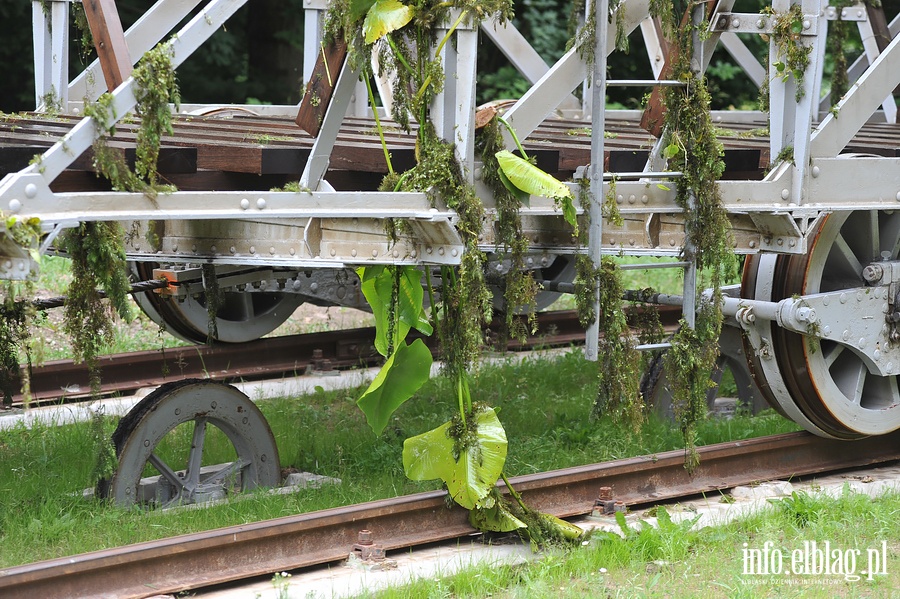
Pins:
x: 269, y: 357
x: 202, y: 559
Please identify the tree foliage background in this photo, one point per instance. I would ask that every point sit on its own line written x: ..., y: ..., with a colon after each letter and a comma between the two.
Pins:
x: 257, y: 57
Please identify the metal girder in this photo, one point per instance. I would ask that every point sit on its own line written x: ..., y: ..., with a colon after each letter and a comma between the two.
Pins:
x: 146, y: 32
x: 877, y: 82
x: 328, y: 242
x: 563, y: 77
x: 320, y: 155
x: 453, y: 108
x: 521, y: 55
x: 744, y: 57
x: 55, y: 160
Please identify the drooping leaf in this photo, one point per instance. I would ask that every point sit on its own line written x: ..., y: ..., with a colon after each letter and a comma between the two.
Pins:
x: 384, y: 17
x: 378, y: 288
x: 530, y: 178
x: 495, y: 519
x: 671, y: 150
x: 358, y: 8
x: 565, y: 529
x: 410, y: 297
x: 568, y: 210
x: 523, y: 197
x: 402, y: 375
x: 469, y: 478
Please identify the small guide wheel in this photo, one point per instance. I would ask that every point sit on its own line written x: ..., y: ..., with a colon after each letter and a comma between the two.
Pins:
x: 177, y: 432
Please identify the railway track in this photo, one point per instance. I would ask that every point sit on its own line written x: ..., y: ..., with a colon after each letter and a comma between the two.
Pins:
x: 204, y: 559
x: 272, y: 357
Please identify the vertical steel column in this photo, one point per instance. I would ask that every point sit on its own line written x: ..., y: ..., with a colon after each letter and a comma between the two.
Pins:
x: 313, y: 16
x: 51, y: 52
x: 598, y: 124
x: 40, y: 25
x: 467, y: 54
x: 453, y: 110
x: 698, y: 64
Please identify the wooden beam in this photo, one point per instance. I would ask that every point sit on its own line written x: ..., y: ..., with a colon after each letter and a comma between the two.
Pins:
x: 320, y: 87
x: 109, y: 40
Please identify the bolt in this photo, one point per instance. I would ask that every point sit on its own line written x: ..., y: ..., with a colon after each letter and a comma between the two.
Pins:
x: 806, y: 314
x: 365, y: 537
x: 605, y: 493
x: 873, y: 273
x: 317, y: 354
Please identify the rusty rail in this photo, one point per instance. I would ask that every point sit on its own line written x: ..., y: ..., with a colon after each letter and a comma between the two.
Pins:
x: 218, y: 556
x: 263, y: 358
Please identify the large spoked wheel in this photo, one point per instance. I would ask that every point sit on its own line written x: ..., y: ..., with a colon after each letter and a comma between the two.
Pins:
x: 828, y: 381
x: 241, y: 316
x: 204, y: 439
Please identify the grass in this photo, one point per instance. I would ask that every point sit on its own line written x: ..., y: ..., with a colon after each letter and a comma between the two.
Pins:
x: 674, y: 560
x: 544, y: 405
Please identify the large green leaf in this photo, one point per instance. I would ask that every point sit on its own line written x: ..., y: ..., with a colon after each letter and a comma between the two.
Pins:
x: 523, y: 197
x: 378, y: 287
x: 530, y: 178
x: 384, y: 17
x: 410, y: 298
x: 401, y: 376
x: 496, y: 518
x: 358, y: 8
x: 469, y: 478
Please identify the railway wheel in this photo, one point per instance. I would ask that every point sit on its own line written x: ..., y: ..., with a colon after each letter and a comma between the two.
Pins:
x: 241, y: 317
x: 176, y: 429
x: 827, y: 380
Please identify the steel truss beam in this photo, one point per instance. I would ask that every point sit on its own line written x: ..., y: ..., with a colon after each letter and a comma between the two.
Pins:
x: 771, y: 215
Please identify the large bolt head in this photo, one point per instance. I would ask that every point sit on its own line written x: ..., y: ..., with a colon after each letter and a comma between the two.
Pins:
x: 873, y: 273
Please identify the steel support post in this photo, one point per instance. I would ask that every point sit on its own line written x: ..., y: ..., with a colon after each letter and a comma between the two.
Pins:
x: 598, y: 126
x: 320, y: 155
x: 50, y: 23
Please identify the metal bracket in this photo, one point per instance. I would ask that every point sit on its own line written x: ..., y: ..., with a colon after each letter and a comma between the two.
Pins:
x: 736, y: 22
x: 857, y: 12
x: 857, y: 319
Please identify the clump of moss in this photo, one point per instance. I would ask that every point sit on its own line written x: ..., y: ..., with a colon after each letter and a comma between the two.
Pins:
x: 519, y: 287
x: 155, y: 88
x: 466, y: 300
x: 618, y: 362
x: 98, y: 262
x: 16, y: 315
x: 692, y: 148
x: 788, y: 43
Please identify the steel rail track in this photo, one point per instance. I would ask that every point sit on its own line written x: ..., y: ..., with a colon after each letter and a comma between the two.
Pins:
x: 227, y: 554
x: 264, y: 358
